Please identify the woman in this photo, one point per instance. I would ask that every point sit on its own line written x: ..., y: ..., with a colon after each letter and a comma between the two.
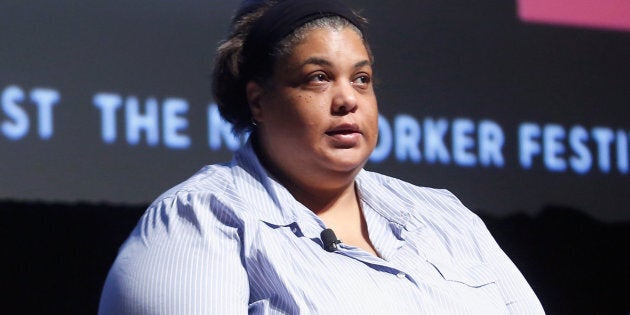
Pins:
x: 247, y: 236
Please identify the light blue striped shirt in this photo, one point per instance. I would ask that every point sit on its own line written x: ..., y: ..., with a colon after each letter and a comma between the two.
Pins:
x: 231, y: 240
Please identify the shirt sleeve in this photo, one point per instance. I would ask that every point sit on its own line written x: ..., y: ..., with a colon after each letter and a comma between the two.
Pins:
x: 519, y: 296
x: 182, y: 258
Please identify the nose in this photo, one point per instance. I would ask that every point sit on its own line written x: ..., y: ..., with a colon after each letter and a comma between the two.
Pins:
x: 344, y: 99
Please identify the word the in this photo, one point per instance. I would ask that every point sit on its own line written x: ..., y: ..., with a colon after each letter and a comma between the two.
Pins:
x: 150, y: 118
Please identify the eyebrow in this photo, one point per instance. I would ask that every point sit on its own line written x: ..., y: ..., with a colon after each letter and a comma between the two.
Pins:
x: 324, y: 62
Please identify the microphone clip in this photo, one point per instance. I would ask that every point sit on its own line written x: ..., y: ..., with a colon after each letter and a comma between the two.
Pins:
x: 330, y: 240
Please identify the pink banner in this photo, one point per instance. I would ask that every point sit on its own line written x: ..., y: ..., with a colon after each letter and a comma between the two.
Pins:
x: 605, y: 14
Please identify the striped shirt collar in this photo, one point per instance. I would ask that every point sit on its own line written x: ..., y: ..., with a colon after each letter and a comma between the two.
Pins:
x: 376, y: 194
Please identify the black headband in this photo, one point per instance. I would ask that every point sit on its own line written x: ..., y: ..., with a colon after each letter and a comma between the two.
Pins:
x: 281, y: 20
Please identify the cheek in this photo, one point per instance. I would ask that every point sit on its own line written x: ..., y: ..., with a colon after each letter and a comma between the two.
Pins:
x: 305, y: 112
x: 295, y: 117
x: 372, y: 118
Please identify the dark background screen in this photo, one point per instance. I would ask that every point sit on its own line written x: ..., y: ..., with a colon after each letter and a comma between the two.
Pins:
x: 108, y: 103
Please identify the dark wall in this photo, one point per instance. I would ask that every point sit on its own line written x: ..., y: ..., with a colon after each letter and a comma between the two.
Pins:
x: 57, y: 256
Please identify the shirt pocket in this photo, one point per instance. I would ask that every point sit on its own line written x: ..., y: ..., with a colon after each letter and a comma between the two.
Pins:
x: 475, y: 282
x: 472, y: 274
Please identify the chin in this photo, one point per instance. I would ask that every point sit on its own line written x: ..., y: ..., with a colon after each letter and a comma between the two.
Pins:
x: 348, y: 162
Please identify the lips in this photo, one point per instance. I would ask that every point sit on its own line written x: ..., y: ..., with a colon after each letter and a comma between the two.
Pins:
x: 344, y: 136
x: 344, y: 129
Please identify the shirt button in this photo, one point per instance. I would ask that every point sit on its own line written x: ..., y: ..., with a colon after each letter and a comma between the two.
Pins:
x: 401, y: 275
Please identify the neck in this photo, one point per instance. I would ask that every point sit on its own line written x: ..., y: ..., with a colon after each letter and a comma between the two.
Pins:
x: 318, y: 192
x: 322, y: 202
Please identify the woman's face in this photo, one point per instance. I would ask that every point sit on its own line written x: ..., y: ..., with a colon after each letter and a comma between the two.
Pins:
x: 319, y: 118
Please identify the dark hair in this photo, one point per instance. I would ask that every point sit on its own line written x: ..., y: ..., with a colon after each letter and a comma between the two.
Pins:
x: 231, y: 71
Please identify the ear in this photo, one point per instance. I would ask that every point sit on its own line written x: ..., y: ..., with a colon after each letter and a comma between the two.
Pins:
x: 254, y: 93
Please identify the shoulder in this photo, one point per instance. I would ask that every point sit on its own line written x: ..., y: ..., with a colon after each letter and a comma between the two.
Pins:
x: 196, y: 206
x: 425, y: 202
x: 413, y: 189
x: 211, y: 179
x: 187, y: 240
x: 433, y: 216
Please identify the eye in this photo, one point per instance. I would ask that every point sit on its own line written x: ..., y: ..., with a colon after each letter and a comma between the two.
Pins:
x: 362, y: 80
x: 317, y: 78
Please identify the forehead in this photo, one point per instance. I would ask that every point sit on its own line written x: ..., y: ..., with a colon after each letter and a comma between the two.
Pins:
x: 336, y: 44
x: 297, y: 35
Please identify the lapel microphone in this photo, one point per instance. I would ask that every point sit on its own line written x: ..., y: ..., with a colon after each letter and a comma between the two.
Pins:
x: 330, y: 240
